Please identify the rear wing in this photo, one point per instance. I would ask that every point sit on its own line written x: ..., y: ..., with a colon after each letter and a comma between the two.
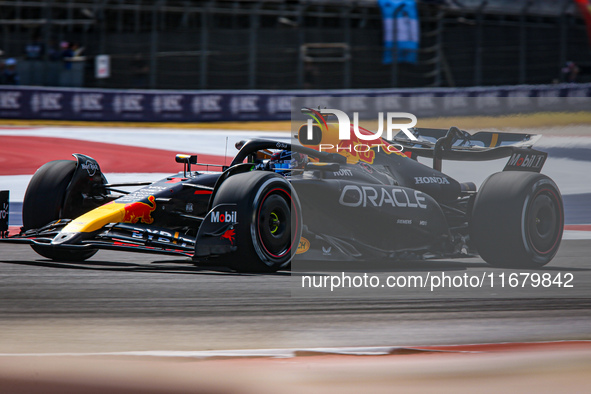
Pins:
x: 456, y: 144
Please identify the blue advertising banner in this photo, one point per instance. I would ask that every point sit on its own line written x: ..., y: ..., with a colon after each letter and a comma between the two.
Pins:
x: 401, y: 31
x: 20, y: 102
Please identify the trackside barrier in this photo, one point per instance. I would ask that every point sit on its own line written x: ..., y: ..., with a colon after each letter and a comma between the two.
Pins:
x: 203, y: 106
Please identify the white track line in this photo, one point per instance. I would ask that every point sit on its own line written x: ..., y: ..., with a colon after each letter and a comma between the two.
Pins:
x: 289, y: 353
x: 247, y: 353
x: 576, y: 235
x: 203, y: 141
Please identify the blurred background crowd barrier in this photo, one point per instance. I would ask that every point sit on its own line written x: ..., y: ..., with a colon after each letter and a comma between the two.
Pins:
x: 194, y: 106
x: 295, y: 44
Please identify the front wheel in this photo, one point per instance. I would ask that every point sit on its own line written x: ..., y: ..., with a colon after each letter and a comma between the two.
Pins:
x: 45, y: 202
x: 517, y: 220
x: 269, y: 220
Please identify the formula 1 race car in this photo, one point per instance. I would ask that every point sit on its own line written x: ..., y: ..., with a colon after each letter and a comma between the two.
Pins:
x: 313, y: 200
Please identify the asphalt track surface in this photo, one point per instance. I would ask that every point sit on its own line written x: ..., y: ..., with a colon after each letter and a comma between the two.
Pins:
x: 136, y: 302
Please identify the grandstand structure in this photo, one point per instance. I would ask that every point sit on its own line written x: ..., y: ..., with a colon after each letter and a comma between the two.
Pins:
x: 305, y: 44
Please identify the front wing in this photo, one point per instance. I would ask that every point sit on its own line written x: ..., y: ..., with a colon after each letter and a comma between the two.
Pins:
x: 120, y: 236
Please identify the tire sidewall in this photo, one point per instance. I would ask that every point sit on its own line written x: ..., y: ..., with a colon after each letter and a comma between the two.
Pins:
x: 540, y: 258
x: 45, y: 201
x: 44, y: 198
x: 500, y: 216
x: 270, y: 185
x: 248, y: 191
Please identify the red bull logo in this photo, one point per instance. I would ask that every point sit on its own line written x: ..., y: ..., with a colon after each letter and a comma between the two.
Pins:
x: 361, y: 146
x: 140, y: 211
x: 357, y: 150
x: 229, y: 235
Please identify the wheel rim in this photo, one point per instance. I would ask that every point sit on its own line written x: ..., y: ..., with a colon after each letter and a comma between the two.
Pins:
x: 274, y: 224
x: 544, y: 221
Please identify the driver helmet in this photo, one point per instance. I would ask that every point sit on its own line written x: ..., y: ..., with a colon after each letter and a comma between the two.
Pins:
x: 285, y: 160
x: 280, y: 161
x: 298, y: 160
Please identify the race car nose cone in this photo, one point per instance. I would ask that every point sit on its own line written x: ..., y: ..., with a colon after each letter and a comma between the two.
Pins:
x: 62, y: 238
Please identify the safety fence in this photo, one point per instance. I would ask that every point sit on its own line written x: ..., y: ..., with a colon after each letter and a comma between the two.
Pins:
x: 299, y: 44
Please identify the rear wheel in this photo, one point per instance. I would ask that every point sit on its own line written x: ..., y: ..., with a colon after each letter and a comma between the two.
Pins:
x: 269, y: 221
x: 44, y: 203
x: 517, y: 220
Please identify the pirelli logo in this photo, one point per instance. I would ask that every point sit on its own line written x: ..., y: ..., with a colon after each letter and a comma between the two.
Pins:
x: 526, y: 161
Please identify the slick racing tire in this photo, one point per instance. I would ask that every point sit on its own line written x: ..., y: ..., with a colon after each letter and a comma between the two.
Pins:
x: 517, y: 220
x: 269, y: 221
x: 43, y: 203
